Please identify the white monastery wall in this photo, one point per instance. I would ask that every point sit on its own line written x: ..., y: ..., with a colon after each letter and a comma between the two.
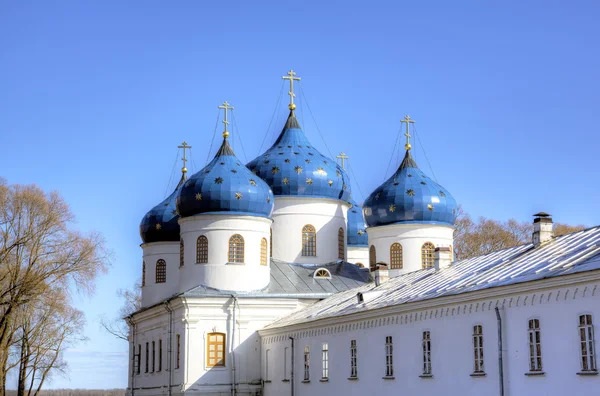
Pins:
x: 451, y: 328
x: 411, y: 237
x: 291, y: 214
x: 153, y: 292
x: 356, y: 255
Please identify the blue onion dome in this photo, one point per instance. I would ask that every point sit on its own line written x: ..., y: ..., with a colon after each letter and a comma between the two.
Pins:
x: 409, y: 196
x: 160, y: 223
x: 225, y: 186
x: 292, y: 166
x: 357, y: 235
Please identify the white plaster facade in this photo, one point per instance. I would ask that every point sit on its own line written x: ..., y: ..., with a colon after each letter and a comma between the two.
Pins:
x: 557, y: 303
x: 153, y: 292
x: 358, y: 255
x: 291, y: 214
x: 411, y: 237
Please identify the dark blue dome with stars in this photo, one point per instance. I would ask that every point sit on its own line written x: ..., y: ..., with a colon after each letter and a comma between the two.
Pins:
x: 292, y: 166
x: 409, y: 196
x: 160, y: 223
x: 225, y: 186
x: 357, y: 236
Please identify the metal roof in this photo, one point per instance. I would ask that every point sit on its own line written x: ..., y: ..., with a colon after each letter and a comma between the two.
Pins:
x: 567, y: 254
x: 291, y: 280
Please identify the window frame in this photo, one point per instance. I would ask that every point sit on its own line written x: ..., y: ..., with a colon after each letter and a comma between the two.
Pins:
x: 309, y: 241
x: 143, y: 273
x: 202, y: 250
x: 325, y: 362
x: 264, y: 258
x: 235, y: 254
x: 427, y: 353
x: 353, y: 360
x: 427, y: 255
x: 159, y: 355
x: 372, y: 258
x: 389, y: 357
x: 341, y: 244
x: 139, y: 360
x: 322, y: 273
x: 147, y: 356
x: 396, y: 258
x: 153, y: 356
x: 587, y: 343
x: 181, y: 253
x: 534, y: 332
x: 306, y: 364
x: 178, y: 352
x: 217, y: 343
x: 478, y: 359
x: 161, y: 271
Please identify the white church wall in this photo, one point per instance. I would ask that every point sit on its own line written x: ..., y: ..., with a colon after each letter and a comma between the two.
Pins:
x: 219, y: 272
x: 153, y: 292
x: 358, y: 254
x: 291, y: 214
x: 450, y: 322
x: 411, y: 237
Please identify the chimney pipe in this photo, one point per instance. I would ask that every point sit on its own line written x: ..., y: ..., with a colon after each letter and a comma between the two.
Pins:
x: 382, y: 274
x: 542, y: 228
x: 442, y: 257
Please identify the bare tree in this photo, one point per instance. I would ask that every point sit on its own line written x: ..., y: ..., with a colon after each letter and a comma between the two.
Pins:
x: 39, y: 252
x: 132, y: 301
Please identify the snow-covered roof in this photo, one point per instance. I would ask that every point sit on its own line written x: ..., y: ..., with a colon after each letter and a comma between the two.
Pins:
x: 564, y: 255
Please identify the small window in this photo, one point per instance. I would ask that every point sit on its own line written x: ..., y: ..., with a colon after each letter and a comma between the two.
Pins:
x: 535, y: 345
x: 153, y: 356
x: 309, y: 240
x: 306, y: 363
x: 139, y: 359
x: 478, y: 349
x: 159, y: 355
x: 236, y: 249
x: 322, y: 273
x: 389, y: 357
x: 181, y: 256
x: 325, y: 361
x: 353, y: 366
x: 396, y: 256
x: 178, y: 355
x: 161, y: 271
x: 263, y: 251
x: 202, y: 250
x: 215, y: 351
x: 426, y: 353
x: 427, y: 255
x: 143, y: 274
x: 147, y: 356
x: 372, y: 258
x: 341, y: 239
x: 588, y: 347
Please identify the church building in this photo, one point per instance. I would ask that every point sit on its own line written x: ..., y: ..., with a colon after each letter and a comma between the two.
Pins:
x: 267, y: 278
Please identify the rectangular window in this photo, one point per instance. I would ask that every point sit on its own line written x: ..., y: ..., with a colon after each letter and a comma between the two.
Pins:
x: 147, y: 355
x: 178, y: 337
x: 215, y: 351
x: 306, y: 363
x: 588, y: 349
x: 535, y: 345
x: 159, y: 355
x: 325, y: 361
x: 139, y: 359
x: 478, y: 349
x: 267, y: 365
x: 426, y: 353
x: 353, y: 368
x: 389, y: 357
x: 285, y: 364
x: 153, y: 356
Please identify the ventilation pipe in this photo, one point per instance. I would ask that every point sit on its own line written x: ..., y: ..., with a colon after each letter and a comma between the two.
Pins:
x: 442, y: 257
x: 542, y: 228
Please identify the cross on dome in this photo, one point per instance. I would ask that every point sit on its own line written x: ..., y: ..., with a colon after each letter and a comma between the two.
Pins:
x: 184, y: 146
x: 291, y: 77
x: 225, y: 106
x: 408, y: 121
x: 342, y: 157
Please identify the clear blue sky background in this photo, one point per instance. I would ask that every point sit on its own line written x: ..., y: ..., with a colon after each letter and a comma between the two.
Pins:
x: 95, y: 97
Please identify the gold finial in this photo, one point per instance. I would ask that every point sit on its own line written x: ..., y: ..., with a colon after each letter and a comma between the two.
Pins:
x: 408, y: 121
x: 184, y: 146
x: 225, y: 106
x: 291, y: 76
x: 343, y: 157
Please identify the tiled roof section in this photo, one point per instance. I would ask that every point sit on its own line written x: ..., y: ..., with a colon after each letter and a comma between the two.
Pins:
x: 296, y: 280
x: 567, y: 254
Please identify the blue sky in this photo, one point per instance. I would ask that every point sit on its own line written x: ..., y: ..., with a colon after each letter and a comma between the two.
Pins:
x: 95, y: 97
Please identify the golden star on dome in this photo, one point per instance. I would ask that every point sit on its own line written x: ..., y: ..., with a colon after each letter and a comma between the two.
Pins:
x: 430, y: 207
x: 275, y: 169
x: 238, y: 195
x: 198, y: 197
x: 158, y: 226
x: 309, y: 181
x: 253, y: 182
x: 392, y: 208
x: 298, y: 169
x: 321, y: 171
x: 330, y: 182
x: 360, y: 232
x: 410, y: 192
x: 285, y: 180
x: 219, y: 180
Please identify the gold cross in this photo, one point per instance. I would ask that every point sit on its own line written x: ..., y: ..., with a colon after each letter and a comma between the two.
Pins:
x: 225, y: 106
x: 408, y: 121
x: 184, y: 146
x: 343, y: 157
x: 291, y: 76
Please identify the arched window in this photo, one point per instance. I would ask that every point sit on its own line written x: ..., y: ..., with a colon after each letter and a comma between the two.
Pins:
x: 322, y: 273
x: 181, y: 261
x: 309, y: 241
x: 372, y: 258
x: 202, y: 250
x: 215, y: 351
x: 143, y: 274
x: 161, y: 271
x: 341, y: 254
x: 427, y: 253
x: 263, y: 251
x: 396, y: 256
x: 236, y: 249
x: 360, y: 265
